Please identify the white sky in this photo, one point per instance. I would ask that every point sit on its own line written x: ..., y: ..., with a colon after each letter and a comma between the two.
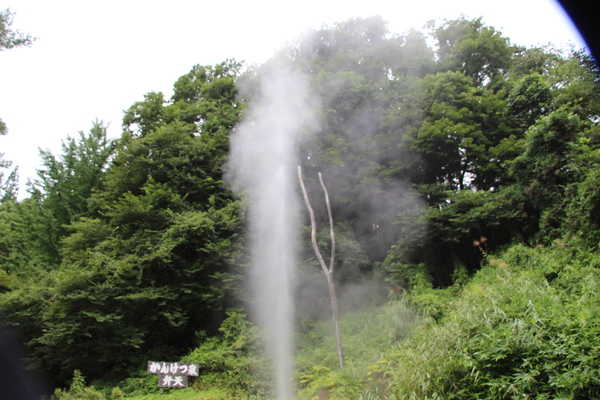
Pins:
x: 94, y: 59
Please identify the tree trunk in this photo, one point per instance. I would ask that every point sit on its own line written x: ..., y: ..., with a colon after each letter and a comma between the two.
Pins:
x: 328, y: 271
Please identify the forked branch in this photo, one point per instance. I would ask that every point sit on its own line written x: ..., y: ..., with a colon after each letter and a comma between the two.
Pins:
x: 328, y: 271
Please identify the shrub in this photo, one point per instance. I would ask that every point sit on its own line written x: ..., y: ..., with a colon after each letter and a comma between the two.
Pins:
x: 78, y: 390
x: 233, y: 360
x: 527, y: 326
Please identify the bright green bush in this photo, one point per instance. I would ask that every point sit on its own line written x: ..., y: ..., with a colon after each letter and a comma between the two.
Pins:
x: 232, y: 361
x: 527, y: 326
x: 140, y: 384
x: 78, y: 390
x: 117, y: 393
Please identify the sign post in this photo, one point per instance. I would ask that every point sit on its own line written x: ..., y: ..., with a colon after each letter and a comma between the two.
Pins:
x: 172, y: 374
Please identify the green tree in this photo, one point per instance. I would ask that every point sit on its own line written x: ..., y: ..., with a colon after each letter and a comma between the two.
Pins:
x: 152, y: 261
x: 359, y: 71
x: 66, y: 183
x: 583, y: 210
x: 201, y: 97
x: 457, y: 232
x: 472, y: 136
x: 463, y: 127
x: 145, y: 116
x: 529, y: 99
x: 478, y: 51
x: 575, y: 83
x: 551, y: 166
x: 16, y: 251
x: 9, y: 39
x: 8, y: 183
x: 534, y: 60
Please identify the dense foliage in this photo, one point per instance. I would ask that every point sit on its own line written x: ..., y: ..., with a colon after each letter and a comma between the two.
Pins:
x: 436, y: 159
x: 138, y: 255
x: 526, y: 326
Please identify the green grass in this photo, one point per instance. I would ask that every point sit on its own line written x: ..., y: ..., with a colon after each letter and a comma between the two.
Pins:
x: 365, y: 335
x: 182, y: 394
x: 188, y: 394
x: 526, y: 326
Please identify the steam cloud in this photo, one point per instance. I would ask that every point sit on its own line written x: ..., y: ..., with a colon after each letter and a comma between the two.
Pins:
x: 262, y: 167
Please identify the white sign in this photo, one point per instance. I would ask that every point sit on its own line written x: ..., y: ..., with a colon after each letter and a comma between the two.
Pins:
x: 172, y: 368
x: 172, y: 381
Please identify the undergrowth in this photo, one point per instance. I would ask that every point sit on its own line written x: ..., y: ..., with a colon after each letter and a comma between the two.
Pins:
x: 527, y: 326
x: 366, y: 336
x: 234, y: 361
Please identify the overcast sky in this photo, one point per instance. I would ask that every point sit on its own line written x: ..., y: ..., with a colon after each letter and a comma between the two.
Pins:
x: 94, y: 59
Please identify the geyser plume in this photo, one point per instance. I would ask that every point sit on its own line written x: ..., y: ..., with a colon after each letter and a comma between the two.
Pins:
x: 262, y: 167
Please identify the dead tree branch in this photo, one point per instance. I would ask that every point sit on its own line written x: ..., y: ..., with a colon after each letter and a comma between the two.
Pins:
x: 328, y: 271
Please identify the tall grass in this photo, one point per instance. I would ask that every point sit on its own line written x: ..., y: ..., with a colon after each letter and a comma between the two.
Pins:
x: 526, y: 327
x: 366, y: 335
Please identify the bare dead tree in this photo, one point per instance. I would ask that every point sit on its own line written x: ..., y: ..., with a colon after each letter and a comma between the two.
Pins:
x: 328, y: 271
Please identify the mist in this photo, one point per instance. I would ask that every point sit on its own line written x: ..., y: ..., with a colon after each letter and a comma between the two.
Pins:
x: 262, y: 169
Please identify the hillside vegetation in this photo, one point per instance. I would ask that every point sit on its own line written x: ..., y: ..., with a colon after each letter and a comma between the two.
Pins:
x: 463, y: 172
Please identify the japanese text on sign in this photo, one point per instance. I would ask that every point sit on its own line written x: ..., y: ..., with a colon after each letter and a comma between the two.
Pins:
x: 172, y: 381
x: 172, y: 368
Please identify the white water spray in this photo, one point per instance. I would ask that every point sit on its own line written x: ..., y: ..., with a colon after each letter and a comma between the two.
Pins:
x: 262, y: 166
